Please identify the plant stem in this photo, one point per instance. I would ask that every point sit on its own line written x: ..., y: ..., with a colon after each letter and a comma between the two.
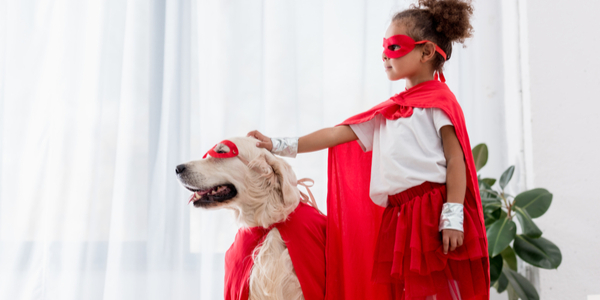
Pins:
x: 508, y: 207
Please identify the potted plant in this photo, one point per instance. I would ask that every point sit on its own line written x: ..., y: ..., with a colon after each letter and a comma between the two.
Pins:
x: 500, y: 209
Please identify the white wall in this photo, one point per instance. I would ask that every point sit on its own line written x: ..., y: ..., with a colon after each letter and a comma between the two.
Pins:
x: 565, y: 84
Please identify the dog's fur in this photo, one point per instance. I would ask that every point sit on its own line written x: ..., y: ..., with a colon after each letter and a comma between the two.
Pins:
x: 266, y: 194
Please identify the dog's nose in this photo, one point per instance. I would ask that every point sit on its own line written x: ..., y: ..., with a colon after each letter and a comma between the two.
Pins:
x: 179, y: 169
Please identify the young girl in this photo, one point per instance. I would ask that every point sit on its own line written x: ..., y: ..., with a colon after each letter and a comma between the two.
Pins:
x: 413, y: 157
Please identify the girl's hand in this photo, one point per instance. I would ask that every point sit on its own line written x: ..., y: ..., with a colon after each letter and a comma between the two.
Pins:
x: 451, y: 239
x: 265, y: 141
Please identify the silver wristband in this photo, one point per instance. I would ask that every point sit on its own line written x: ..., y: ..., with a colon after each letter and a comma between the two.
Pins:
x: 285, y: 146
x: 452, y: 217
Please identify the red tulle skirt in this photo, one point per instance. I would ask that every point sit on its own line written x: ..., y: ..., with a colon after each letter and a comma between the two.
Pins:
x: 409, y: 252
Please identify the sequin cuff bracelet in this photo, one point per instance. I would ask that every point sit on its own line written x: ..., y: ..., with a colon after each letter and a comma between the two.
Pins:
x: 285, y: 146
x: 452, y: 217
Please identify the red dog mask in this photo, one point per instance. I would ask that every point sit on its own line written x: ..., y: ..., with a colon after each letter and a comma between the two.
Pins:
x: 233, y: 150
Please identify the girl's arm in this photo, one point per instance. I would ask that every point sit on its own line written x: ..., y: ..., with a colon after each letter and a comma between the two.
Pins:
x: 318, y: 140
x: 456, y: 182
x: 456, y: 174
x: 326, y: 138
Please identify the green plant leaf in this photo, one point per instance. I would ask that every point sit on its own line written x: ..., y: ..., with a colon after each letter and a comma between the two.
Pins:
x: 529, y: 228
x: 502, y: 283
x: 489, y: 181
x: 485, y: 187
x: 497, y: 213
x: 492, y: 218
x: 493, y: 212
x: 539, y: 252
x: 489, y: 220
x: 521, y: 285
x: 482, y: 183
x: 480, y: 156
x: 495, y: 268
x: 500, y: 234
x: 536, y: 202
x: 510, y: 257
x: 512, y: 295
x: 489, y: 199
x: 487, y: 194
x: 506, y: 176
x: 490, y: 207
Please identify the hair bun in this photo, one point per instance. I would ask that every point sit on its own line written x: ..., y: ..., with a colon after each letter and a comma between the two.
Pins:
x: 451, y: 17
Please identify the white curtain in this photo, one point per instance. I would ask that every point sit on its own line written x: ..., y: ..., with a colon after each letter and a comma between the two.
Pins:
x: 100, y: 100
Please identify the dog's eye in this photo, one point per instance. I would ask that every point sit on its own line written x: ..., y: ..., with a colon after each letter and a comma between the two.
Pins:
x: 221, y: 149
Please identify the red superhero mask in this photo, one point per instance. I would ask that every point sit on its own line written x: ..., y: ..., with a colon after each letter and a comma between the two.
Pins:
x: 233, y: 151
x: 405, y: 45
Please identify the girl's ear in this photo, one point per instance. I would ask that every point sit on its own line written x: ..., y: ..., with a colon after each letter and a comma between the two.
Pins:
x: 428, y: 52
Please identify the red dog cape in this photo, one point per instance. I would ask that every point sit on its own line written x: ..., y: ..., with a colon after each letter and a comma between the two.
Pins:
x: 353, y: 220
x: 304, y: 236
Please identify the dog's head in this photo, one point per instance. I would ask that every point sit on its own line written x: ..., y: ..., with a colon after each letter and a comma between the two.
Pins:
x: 261, y: 192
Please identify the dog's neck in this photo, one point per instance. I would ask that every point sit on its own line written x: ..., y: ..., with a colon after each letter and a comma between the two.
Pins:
x: 263, y: 214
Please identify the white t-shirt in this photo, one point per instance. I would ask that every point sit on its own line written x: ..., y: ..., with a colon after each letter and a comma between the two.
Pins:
x: 406, y: 151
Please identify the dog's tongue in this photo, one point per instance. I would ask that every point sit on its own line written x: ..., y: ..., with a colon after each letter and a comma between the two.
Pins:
x: 192, y: 198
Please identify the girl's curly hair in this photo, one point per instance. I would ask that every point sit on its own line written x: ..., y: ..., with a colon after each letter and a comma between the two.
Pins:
x: 440, y: 21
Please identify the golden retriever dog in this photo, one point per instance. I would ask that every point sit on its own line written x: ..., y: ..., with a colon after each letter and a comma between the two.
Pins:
x: 262, y: 190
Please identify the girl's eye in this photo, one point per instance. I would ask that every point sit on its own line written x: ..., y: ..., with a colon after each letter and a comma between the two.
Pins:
x: 394, y: 47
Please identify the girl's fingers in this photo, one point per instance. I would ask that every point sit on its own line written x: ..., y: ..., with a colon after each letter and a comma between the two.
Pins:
x: 259, y: 136
x: 453, y: 243
x: 452, y: 239
x: 446, y: 242
x: 266, y: 145
x: 253, y: 134
x: 264, y: 141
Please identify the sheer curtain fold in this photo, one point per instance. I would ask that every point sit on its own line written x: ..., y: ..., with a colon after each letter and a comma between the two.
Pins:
x: 97, y: 118
x: 100, y: 100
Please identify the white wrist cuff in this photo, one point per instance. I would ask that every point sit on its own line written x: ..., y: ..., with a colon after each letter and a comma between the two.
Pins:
x: 452, y: 217
x: 285, y: 146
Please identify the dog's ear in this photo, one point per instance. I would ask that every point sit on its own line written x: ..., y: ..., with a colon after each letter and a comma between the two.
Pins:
x: 265, y: 170
x: 286, y: 178
x: 277, y: 172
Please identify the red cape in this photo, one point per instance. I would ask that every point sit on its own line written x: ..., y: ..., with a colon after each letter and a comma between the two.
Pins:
x: 353, y: 219
x: 304, y: 236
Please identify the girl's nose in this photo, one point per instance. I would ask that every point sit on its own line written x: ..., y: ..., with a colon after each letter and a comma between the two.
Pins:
x: 383, y: 56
